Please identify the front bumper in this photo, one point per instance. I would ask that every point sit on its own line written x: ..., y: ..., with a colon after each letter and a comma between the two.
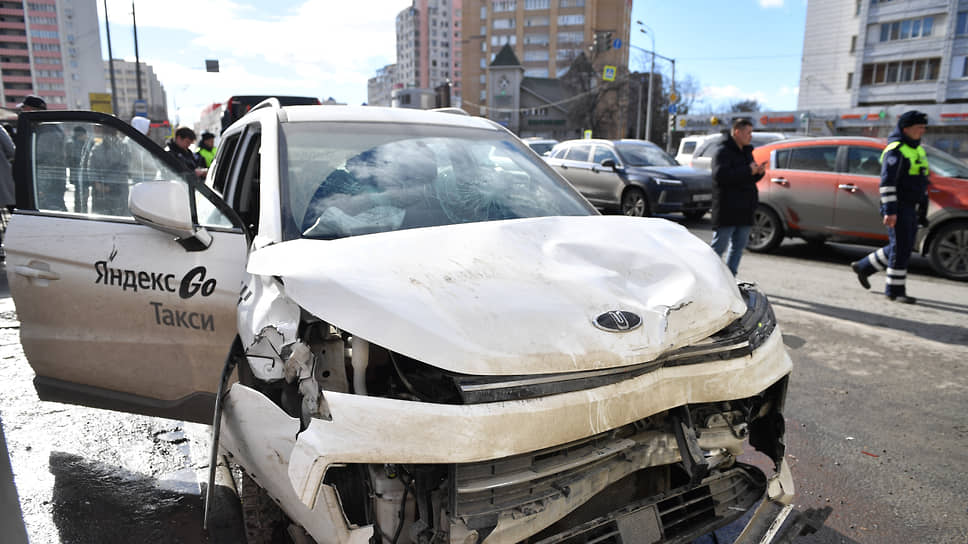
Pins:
x: 292, y: 466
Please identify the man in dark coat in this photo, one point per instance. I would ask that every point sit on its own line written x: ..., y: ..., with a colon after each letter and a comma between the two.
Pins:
x: 178, y: 147
x: 904, y: 184
x: 734, y: 192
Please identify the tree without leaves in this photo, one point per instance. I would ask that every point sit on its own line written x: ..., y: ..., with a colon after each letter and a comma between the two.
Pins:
x: 748, y: 105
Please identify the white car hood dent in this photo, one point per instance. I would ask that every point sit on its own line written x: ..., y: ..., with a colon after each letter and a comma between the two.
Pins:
x: 513, y: 297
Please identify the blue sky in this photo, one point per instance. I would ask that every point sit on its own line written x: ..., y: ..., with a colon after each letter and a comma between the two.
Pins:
x: 329, y: 48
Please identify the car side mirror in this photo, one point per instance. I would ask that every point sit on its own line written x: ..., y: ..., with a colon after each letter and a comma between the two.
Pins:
x: 165, y: 205
x: 610, y: 163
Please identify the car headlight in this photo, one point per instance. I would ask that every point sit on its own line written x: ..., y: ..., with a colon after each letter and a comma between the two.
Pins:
x: 666, y: 181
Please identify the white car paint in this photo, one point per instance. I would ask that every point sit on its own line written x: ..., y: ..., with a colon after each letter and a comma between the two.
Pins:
x: 472, y: 298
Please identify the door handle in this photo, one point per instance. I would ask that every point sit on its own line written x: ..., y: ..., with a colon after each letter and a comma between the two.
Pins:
x: 37, y: 273
x: 780, y: 181
x: 849, y: 187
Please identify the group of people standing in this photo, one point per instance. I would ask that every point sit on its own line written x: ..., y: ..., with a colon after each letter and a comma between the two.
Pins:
x: 903, y: 192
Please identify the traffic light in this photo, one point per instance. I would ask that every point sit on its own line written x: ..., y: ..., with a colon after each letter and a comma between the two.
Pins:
x: 672, y: 122
x: 608, y: 41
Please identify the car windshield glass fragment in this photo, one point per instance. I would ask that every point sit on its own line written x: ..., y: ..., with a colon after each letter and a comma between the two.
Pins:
x: 345, y: 179
x: 644, y: 155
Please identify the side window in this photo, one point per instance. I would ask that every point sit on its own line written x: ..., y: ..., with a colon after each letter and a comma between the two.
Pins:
x: 814, y: 158
x: 782, y: 158
x: 578, y: 153
x: 602, y: 153
x: 863, y: 161
x: 708, y: 148
x: 245, y: 198
x: 688, y: 147
x: 88, y: 168
x: 223, y: 162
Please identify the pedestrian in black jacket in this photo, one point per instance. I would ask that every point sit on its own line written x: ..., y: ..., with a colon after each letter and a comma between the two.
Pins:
x: 904, y: 184
x: 178, y: 147
x: 734, y: 192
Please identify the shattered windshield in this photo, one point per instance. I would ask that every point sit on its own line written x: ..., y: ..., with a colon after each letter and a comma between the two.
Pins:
x: 345, y: 179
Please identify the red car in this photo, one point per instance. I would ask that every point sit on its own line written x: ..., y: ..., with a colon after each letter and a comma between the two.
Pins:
x: 823, y: 189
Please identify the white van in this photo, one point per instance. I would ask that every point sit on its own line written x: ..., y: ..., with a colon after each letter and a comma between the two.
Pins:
x: 688, y: 146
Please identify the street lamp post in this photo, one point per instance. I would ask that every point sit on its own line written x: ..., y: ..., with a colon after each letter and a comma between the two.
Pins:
x: 648, y: 107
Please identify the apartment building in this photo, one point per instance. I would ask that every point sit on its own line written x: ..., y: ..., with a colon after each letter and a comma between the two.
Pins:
x: 126, y: 86
x: 545, y: 35
x: 865, y: 62
x: 50, y: 48
x: 429, y: 46
x: 379, y: 88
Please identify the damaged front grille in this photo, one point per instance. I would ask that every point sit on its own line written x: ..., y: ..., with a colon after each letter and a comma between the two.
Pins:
x: 738, y: 339
x: 677, y: 516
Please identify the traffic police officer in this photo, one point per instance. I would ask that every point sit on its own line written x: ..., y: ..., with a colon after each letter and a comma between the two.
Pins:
x: 904, y: 183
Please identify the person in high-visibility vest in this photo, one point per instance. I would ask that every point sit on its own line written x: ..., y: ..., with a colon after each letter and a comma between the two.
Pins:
x: 904, y: 184
x: 206, y: 150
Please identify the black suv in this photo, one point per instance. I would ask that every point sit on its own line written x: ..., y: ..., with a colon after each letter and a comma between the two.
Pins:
x: 633, y: 177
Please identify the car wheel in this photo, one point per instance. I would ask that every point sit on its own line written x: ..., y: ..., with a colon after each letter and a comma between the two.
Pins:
x: 767, y: 230
x: 949, y: 251
x: 694, y: 215
x: 635, y: 204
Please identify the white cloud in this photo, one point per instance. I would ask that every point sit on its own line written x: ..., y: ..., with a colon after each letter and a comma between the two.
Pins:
x: 771, y: 3
x: 326, y: 45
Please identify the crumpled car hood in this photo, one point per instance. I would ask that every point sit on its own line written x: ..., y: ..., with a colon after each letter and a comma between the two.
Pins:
x: 513, y: 297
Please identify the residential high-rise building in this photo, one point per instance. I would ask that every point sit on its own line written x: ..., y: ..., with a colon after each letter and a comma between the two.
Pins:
x: 380, y: 87
x: 545, y: 35
x: 50, y: 48
x: 126, y: 84
x: 429, y: 46
x: 884, y: 52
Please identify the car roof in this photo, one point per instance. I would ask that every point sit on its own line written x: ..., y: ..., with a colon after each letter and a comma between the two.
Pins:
x: 793, y: 142
x: 375, y: 114
x: 578, y: 141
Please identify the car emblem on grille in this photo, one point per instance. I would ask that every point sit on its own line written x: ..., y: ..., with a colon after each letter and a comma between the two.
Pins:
x: 618, y: 321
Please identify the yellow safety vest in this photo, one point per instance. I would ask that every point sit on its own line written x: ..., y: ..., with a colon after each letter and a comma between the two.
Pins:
x: 209, y: 156
x: 917, y: 158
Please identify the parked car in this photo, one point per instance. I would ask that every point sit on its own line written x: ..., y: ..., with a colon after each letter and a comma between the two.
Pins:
x: 702, y: 158
x: 437, y: 338
x: 688, y: 145
x: 540, y: 146
x: 828, y: 189
x: 633, y: 177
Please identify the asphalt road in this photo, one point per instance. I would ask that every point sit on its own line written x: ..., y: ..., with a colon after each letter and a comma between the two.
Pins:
x: 876, y: 421
x: 877, y: 411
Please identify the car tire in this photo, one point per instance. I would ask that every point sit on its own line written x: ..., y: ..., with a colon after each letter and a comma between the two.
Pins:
x: 635, y: 204
x: 694, y: 215
x: 767, y: 232
x: 949, y: 251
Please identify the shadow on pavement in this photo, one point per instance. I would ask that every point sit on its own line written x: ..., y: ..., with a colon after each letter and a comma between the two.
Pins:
x: 95, y: 502
x: 947, y: 334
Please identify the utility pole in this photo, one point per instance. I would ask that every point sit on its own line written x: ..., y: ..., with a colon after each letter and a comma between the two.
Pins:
x: 114, y: 90
x: 137, y: 59
x: 648, y: 110
x: 638, y: 112
x: 672, y: 116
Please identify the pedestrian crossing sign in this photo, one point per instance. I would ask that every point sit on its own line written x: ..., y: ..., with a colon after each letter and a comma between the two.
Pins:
x: 609, y: 73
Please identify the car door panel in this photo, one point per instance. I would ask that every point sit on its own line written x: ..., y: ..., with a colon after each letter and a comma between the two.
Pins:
x: 605, y: 183
x: 858, y: 202
x: 114, y: 313
x: 804, y: 190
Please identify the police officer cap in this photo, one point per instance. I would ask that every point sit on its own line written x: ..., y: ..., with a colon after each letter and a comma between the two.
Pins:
x: 911, y: 118
x: 206, y: 135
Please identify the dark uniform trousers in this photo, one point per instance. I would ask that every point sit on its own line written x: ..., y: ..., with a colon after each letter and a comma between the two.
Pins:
x: 895, y: 255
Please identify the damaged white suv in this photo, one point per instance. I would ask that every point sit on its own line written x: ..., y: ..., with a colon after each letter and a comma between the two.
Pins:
x: 437, y: 338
